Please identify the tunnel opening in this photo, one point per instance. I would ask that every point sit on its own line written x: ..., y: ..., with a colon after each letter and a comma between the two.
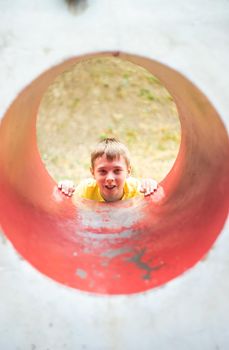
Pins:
x: 103, y: 248
x: 105, y: 96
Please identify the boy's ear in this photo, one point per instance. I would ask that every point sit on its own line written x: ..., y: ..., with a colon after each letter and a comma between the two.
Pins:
x: 92, y: 171
x: 128, y: 170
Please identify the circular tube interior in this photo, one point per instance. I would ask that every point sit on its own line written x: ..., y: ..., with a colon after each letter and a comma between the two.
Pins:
x: 128, y: 246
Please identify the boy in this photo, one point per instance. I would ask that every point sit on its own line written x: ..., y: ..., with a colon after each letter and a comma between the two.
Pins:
x: 111, y: 182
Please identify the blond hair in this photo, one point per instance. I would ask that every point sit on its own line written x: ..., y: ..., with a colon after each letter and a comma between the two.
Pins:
x: 112, y: 149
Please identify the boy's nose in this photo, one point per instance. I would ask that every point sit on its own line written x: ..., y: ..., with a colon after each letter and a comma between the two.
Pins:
x: 110, y: 177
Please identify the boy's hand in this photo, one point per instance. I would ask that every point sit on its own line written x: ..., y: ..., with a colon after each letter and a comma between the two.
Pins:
x: 67, y: 187
x: 148, y: 186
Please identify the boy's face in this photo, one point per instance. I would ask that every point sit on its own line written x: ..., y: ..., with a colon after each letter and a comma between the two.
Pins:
x: 110, y: 176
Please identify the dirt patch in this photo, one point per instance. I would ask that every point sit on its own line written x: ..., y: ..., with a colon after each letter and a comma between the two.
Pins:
x: 103, y: 97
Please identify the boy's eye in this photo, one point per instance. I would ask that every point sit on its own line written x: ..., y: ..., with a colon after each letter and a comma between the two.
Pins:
x: 102, y: 172
x: 117, y: 171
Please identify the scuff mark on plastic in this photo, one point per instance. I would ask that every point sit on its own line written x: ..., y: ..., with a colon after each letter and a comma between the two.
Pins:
x: 137, y: 259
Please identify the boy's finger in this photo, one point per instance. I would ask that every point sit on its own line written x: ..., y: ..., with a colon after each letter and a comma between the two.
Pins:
x: 153, y: 189
x: 142, y: 189
x: 146, y: 194
x: 70, y: 192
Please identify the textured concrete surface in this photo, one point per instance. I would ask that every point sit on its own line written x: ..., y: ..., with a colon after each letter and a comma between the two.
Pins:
x: 191, y: 312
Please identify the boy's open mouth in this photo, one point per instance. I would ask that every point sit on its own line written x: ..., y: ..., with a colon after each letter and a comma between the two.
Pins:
x: 110, y: 187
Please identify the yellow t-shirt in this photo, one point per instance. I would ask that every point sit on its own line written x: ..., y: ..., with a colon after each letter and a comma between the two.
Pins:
x: 89, y: 189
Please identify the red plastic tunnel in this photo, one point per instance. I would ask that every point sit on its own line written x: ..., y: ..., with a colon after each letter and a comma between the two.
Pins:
x: 129, y: 246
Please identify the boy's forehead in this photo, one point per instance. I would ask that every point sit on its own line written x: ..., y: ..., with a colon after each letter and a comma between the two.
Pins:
x: 104, y: 161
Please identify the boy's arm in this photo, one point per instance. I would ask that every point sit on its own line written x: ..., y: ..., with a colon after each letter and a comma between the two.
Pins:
x: 148, y: 186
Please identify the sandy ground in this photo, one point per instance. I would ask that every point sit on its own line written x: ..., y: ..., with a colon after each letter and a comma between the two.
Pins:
x: 104, y: 97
